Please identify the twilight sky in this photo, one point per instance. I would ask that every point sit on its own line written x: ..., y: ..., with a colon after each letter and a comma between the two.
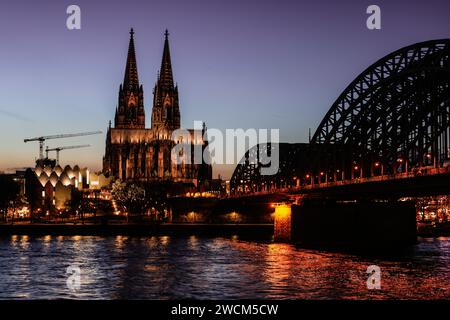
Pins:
x: 238, y: 63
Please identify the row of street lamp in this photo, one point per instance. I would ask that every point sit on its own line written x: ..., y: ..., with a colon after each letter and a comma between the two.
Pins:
x: 356, y: 172
x: 357, y: 168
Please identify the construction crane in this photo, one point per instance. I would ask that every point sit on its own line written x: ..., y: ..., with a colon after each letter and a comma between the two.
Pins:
x: 57, y: 136
x: 58, y: 149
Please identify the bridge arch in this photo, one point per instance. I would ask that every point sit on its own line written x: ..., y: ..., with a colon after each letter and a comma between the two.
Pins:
x: 396, y: 113
x: 397, y: 109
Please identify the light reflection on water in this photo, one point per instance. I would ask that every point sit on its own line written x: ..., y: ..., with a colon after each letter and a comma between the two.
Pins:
x: 212, y: 268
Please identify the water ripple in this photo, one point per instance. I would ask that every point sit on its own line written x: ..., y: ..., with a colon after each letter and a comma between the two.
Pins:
x: 212, y: 268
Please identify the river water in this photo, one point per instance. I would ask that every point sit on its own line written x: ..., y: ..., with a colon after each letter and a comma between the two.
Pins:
x: 212, y: 268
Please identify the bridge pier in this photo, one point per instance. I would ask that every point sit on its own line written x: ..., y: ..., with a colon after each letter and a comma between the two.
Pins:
x: 359, y: 224
x: 282, y: 223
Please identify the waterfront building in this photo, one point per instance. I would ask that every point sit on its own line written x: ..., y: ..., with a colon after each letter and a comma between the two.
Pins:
x: 51, y: 187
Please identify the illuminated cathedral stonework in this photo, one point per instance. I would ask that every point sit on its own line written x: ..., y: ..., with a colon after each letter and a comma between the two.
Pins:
x: 139, y: 153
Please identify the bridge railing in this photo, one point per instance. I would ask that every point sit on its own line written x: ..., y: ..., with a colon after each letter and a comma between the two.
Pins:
x: 403, y: 175
x: 424, y: 171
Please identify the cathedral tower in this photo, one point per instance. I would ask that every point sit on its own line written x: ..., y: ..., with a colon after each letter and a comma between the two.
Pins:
x: 130, y: 112
x: 134, y: 152
x: 166, y: 110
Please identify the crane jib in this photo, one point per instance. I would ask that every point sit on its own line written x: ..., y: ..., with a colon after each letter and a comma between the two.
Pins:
x: 58, y: 136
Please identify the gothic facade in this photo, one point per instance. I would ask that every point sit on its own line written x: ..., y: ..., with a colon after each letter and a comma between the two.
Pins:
x: 136, y: 152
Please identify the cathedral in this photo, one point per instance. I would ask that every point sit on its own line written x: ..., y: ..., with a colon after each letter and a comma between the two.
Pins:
x: 134, y: 152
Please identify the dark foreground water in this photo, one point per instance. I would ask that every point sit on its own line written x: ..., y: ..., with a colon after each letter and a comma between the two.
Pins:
x: 212, y: 268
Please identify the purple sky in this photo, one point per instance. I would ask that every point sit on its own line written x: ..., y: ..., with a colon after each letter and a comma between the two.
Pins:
x: 238, y: 63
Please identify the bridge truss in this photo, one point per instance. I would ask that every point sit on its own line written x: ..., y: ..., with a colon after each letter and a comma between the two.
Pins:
x: 393, y: 116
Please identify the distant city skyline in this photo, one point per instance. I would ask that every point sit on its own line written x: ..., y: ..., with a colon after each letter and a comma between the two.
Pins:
x: 238, y: 64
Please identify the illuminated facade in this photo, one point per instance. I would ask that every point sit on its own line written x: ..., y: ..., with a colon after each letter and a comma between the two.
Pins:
x: 51, y: 187
x: 139, y: 153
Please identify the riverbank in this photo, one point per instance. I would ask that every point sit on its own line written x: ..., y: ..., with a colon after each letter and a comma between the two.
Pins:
x: 247, y: 230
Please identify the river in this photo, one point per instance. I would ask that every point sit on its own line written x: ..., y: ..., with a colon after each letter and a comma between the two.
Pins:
x: 122, y: 267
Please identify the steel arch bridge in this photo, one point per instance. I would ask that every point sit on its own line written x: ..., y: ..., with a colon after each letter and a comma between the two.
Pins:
x: 394, y: 116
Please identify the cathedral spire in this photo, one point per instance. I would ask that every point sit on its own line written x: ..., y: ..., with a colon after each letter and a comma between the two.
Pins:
x: 166, y: 76
x: 166, y: 110
x: 131, y: 79
x: 130, y: 108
